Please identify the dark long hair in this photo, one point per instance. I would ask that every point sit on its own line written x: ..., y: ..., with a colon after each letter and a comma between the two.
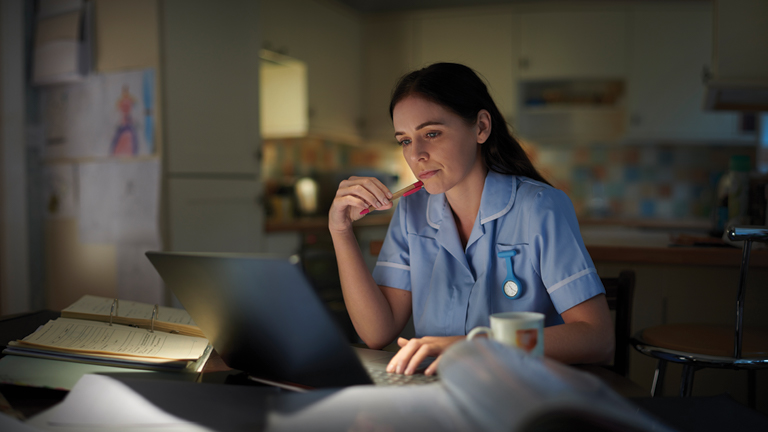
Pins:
x: 458, y: 88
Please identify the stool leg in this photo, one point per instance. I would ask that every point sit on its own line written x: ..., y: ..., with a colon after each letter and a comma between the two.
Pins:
x: 658, y: 379
x: 751, y: 391
x: 686, y: 381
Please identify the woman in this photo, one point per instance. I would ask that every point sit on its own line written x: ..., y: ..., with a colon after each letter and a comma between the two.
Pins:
x: 443, y: 257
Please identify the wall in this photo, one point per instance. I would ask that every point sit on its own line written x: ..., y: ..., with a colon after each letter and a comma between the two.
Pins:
x: 126, y: 38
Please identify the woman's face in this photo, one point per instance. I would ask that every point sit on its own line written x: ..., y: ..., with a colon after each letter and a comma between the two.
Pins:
x: 441, y: 149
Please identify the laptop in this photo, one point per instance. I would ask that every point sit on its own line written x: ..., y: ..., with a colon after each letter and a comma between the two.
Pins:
x: 263, y: 317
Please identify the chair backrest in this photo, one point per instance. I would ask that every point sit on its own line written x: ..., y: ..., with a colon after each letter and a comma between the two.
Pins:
x: 619, y: 292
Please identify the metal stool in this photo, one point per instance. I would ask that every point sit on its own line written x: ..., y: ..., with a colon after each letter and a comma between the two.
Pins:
x: 698, y: 346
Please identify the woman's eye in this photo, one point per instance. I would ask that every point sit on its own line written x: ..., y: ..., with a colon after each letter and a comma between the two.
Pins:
x: 404, y: 142
x: 432, y: 134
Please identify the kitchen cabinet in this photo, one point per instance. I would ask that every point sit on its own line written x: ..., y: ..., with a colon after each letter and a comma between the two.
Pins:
x: 669, y: 48
x: 742, y: 41
x: 485, y: 40
x: 215, y: 215
x: 388, y: 55
x: 573, y: 44
x: 211, y: 99
x: 738, y: 77
x: 211, y: 83
x: 327, y: 37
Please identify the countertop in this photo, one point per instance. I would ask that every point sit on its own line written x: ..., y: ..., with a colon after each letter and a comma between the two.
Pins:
x: 664, y: 246
x: 647, y: 242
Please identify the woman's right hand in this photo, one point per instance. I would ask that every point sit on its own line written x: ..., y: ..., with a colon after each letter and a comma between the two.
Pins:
x: 353, y: 196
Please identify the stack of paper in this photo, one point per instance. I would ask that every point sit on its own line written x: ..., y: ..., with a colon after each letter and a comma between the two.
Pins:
x: 116, y: 345
x: 133, y: 313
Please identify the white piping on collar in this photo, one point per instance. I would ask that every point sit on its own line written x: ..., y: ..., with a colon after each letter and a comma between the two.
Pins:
x: 429, y: 206
x: 501, y: 213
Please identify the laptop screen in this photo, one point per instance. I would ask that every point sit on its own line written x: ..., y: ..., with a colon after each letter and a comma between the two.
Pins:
x: 262, y: 316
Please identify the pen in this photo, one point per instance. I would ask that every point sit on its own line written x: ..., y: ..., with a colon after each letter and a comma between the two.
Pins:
x: 401, y: 193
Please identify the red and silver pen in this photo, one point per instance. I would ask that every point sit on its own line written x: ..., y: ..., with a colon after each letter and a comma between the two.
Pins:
x: 401, y: 193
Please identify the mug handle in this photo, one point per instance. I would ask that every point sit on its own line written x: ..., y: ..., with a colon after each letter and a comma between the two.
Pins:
x: 479, y: 330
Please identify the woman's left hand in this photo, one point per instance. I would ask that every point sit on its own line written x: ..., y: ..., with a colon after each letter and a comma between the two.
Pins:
x: 414, y: 351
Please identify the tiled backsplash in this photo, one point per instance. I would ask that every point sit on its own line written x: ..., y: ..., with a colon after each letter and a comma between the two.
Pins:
x: 665, y: 182
x: 637, y: 181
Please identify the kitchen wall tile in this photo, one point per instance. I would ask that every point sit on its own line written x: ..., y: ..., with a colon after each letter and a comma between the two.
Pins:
x: 664, y: 190
x: 668, y: 181
x: 666, y: 157
x: 648, y: 156
x: 648, y: 208
x: 664, y: 209
x: 618, y: 181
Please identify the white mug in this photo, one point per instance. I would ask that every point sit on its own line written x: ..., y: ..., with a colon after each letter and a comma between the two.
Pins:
x: 524, y: 330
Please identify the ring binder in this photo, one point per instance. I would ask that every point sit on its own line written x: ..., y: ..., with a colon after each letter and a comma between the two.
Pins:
x: 121, y: 311
x: 152, y: 322
x: 113, y: 310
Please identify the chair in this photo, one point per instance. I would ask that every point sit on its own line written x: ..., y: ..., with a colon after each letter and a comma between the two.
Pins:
x: 620, y: 292
x: 698, y: 346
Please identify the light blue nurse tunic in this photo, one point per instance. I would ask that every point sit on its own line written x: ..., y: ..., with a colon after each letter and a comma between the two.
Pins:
x: 455, y: 289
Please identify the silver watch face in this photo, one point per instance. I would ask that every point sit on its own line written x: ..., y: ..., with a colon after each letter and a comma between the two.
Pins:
x: 510, y: 288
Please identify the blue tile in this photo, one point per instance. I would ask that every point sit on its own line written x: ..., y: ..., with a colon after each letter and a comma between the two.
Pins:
x: 681, y: 208
x: 580, y: 174
x: 631, y: 174
x: 599, y: 155
x: 614, y: 189
x: 647, y: 208
x: 666, y: 157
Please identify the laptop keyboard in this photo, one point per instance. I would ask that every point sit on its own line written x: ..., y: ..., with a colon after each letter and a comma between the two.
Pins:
x: 381, y: 377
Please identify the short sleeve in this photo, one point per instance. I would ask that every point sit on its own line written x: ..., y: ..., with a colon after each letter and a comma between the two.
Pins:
x: 393, y: 266
x: 560, y: 257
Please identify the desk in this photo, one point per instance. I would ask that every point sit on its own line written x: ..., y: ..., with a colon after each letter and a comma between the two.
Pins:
x: 31, y: 401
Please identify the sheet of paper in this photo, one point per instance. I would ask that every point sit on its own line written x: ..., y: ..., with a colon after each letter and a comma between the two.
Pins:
x: 98, y: 337
x: 95, y: 305
x: 119, y: 202
x: 134, y: 402
x: 74, y: 116
x: 60, y: 187
x: 103, y: 115
x: 129, y: 110
x: 103, y: 401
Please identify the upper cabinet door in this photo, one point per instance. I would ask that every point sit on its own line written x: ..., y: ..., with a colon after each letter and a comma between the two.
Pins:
x: 484, y: 41
x: 670, y: 46
x: 388, y: 55
x: 556, y: 45
x: 328, y: 39
x: 211, y: 81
